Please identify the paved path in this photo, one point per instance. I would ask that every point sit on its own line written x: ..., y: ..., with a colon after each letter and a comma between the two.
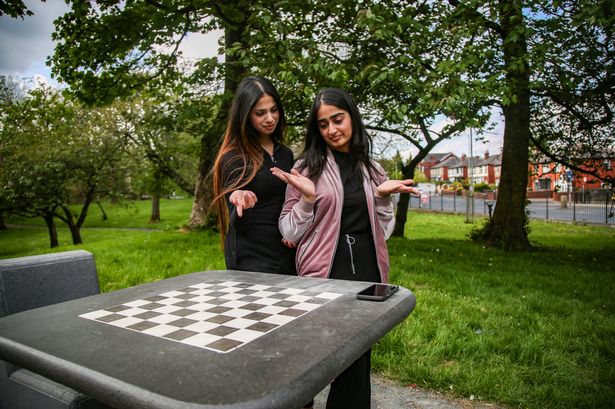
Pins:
x: 387, y: 394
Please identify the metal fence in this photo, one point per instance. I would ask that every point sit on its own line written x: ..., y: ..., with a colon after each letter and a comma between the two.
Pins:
x: 588, y: 206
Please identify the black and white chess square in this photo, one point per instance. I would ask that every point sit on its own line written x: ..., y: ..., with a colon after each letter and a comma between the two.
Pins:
x: 217, y: 315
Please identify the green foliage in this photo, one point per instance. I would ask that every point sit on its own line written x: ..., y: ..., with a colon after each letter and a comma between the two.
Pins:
x: 481, y: 187
x: 393, y: 166
x: 14, y: 8
x: 409, y: 64
x: 572, y: 108
x: 56, y: 153
x: 419, y: 177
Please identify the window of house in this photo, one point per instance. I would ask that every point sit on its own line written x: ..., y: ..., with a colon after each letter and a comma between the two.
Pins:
x: 544, y: 184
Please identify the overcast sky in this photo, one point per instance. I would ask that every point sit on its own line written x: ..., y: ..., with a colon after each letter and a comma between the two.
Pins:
x: 27, y: 43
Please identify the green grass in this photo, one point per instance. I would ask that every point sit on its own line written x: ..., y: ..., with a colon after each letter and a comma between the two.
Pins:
x: 128, y: 249
x: 531, y: 330
x: 135, y: 214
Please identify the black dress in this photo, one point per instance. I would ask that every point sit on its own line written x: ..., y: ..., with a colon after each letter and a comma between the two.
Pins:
x: 253, y: 241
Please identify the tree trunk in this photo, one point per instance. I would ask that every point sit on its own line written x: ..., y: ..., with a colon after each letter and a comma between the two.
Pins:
x: 74, y: 228
x: 155, y: 216
x: 89, y: 198
x: 203, y: 194
x: 102, y: 210
x: 51, y: 228
x: 2, y: 223
x: 402, y: 215
x: 509, y: 226
x: 404, y: 198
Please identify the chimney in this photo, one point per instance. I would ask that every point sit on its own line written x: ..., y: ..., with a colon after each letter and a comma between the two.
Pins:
x: 486, y: 154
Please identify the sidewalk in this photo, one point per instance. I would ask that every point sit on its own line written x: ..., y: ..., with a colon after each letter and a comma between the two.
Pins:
x: 387, y: 394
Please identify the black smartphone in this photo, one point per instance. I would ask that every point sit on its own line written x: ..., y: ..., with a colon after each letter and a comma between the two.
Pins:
x: 377, y: 292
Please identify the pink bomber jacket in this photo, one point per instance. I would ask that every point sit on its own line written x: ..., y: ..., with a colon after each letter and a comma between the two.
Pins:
x: 315, y: 226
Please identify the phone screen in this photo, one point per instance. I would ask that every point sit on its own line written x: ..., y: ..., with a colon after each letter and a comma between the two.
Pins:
x: 377, y: 292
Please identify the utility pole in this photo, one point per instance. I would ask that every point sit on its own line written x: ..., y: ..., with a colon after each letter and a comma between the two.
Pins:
x: 470, y: 193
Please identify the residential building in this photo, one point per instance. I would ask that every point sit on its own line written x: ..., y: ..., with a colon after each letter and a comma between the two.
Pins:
x: 544, y: 174
x: 486, y: 169
x: 431, y: 160
x: 440, y: 171
x: 458, y: 169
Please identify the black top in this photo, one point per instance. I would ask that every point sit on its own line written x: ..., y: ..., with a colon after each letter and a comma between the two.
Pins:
x: 253, y: 242
x: 354, y: 209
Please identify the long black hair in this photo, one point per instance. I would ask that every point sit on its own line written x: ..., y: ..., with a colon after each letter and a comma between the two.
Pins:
x: 241, y: 142
x: 315, y: 151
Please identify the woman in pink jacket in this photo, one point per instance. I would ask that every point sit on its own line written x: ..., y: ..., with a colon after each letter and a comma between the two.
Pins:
x: 338, y: 211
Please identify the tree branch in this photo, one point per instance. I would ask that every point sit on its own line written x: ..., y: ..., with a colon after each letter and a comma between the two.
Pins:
x: 481, y: 18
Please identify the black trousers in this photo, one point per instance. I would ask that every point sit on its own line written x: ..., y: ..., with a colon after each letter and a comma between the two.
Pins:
x: 355, y: 259
x: 352, y: 388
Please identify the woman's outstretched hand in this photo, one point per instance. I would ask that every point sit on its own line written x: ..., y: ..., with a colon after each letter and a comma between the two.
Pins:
x: 242, y: 199
x: 396, y: 186
x: 298, y: 181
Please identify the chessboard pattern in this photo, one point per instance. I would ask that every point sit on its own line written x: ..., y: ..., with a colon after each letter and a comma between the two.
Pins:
x: 216, y: 315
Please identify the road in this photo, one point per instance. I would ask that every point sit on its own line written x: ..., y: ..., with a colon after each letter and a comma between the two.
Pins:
x: 539, y: 208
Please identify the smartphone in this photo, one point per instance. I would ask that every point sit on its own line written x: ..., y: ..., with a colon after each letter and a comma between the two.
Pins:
x: 377, y: 292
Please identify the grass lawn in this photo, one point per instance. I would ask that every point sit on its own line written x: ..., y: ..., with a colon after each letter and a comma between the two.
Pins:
x: 531, y: 330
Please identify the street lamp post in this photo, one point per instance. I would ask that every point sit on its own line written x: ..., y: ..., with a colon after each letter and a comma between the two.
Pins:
x: 470, y: 194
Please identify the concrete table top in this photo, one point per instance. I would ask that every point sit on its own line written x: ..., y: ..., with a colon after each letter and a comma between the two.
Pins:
x: 128, y: 362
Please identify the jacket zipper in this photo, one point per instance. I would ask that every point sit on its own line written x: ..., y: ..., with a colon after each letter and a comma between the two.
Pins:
x: 351, y: 240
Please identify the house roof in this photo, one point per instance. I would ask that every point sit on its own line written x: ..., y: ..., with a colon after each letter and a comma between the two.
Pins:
x: 495, y: 160
x: 448, y: 162
x: 436, y: 157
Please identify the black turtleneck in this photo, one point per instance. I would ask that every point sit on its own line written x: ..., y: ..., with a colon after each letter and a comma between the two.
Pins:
x: 355, y: 218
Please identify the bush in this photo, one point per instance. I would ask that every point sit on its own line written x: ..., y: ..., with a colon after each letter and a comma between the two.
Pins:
x: 481, y: 187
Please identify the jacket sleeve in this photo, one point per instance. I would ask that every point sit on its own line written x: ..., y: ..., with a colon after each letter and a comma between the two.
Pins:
x: 384, y: 205
x: 296, y: 216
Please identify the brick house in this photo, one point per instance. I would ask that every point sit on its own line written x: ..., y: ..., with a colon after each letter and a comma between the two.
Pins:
x: 458, y: 169
x: 431, y: 160
x: 486, y: 169
x: 441, y: 170
x: 544, y: 174
x: 451, y: 168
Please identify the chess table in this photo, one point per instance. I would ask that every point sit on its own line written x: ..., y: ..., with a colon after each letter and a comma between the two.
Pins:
x: 223, y: 339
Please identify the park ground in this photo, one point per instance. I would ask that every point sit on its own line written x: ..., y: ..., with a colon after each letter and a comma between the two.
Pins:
x: 491, y: 328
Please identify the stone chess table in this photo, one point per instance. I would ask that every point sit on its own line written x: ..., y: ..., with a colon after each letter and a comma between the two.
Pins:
x: 223, y: 339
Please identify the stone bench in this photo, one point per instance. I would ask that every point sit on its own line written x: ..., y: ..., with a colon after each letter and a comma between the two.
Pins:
x: 32, y: 282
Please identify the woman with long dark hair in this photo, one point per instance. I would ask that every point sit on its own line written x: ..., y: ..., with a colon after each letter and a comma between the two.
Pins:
x: 247, y: 197
x: 339, y: 213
